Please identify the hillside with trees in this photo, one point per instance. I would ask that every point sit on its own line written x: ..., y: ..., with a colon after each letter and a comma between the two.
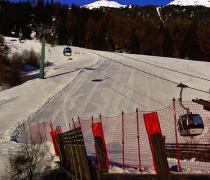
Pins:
x: 181, y: 32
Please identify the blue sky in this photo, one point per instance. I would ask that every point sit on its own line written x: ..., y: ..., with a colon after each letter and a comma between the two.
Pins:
x: 136, y: 2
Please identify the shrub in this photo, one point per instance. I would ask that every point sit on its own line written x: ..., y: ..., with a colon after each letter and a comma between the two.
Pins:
x: 29, y: 57
x: 28, y: 161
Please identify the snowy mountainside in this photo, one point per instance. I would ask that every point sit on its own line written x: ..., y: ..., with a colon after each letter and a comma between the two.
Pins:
x: 69, y: 85
x: 191, y: 2
x: 103, y: 3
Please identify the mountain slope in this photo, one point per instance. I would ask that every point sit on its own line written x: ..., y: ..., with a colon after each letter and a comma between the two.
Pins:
x: 191, y: 2
x: 103, y: 3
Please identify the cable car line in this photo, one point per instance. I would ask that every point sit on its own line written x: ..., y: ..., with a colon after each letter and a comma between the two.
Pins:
x: 67, y: 51
x: 165, y: 79
x: 198, y: 77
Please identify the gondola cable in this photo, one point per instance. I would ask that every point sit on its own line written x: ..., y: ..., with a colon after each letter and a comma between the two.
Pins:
x: 165, y: 79
x: 198, y: 77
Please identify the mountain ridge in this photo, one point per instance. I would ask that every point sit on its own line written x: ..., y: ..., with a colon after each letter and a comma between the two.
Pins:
x: 103, y: 3
x: 205, y: 3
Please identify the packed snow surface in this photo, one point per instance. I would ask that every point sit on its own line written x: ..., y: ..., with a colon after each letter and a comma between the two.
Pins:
x: 72, y: 87
x: 21, y: 102
x: 191, y: 2
x: 103, y: 3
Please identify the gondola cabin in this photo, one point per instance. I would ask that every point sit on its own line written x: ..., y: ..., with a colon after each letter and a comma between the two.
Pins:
x: 67, y: 51
x: 190, y: 125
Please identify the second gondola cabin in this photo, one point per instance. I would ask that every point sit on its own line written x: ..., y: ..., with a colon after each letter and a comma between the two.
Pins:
x: 190, y: 125
x: 67, y: 51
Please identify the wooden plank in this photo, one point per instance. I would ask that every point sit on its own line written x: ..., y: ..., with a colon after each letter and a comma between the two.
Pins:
x: 61, y: 149
x: 101, y: 154
x: 160, y: 157
x: 79, y: 161
x: 67, y: 165
x: 74, y: 154
x: 76, y: 161
x: 84, y: 164
x: 206, y: 104
x: 73, y: 163
x: 69, y: 157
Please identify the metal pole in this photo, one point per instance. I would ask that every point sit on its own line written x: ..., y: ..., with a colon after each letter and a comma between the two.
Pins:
x: 79, y: 122
x: 92, y: 120
x: 30, y: 133
x: 26, y: 136
x: 39, y: 133
x: 51, y: 125
x: 73, y: 123
x: 176, y: 136
x: 104, y: 144
x: 137, y: 124
x: 123, y: 146
x: 42, y: 57
x: 70, y: 126
x: 182, y: 86
x: 45, y: 132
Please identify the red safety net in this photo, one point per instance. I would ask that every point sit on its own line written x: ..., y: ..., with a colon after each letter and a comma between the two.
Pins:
x: 127, y: 141
x: 128, y: 144
x: 34, y: 132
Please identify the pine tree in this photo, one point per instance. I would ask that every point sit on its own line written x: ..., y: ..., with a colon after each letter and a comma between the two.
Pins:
x: 134, y: 44
x: 190, y: 47
x: 168, y: 46
x: 204, y: 42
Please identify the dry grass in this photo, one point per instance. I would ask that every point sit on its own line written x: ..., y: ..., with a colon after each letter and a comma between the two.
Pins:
x: 11, y: 69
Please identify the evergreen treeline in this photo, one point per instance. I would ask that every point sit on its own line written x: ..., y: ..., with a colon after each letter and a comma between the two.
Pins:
x: 182, y: 32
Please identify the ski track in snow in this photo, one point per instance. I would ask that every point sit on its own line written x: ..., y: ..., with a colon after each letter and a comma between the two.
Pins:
x: 122, y: 88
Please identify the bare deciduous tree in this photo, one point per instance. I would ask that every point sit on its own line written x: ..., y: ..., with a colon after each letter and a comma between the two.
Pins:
x: 30, y: 160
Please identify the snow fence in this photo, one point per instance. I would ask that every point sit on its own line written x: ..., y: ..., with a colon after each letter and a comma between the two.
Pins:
x: 127, y: 140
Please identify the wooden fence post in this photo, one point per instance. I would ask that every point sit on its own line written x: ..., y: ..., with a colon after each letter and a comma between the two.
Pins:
x: 159, y: 154
x: 72, y: 159
x: 73, y: 154
x: 176, y: 136
x: 78, y: 161
x: 123, y: 142
x: 157, y: 146
x: 138, y: 138
x: 61, y: 149
x: 100, y: 146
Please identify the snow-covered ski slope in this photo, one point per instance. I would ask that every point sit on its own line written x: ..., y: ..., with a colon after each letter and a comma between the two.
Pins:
x: 127, y: 84
x: 123, y: 82
x: 19, y: 103
x: 191, y: 2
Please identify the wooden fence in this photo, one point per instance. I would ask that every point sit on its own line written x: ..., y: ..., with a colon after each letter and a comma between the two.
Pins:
x: 73, y: 156
x: 201, y: 152
x: 74, y: 161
